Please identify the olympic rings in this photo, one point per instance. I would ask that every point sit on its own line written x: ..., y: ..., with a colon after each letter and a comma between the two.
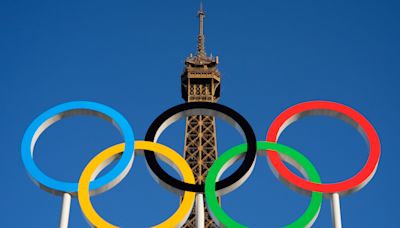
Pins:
x: 51, y: 116
x: 202, y: 108
x: 294, y: 157
x: 342, y: 112
x: 187, y: 187
x: 107, y: 156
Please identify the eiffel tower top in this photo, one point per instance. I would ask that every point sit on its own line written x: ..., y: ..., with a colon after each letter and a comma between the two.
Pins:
x: 201, y: 57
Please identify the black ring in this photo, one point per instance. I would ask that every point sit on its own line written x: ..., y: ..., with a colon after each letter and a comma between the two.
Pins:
x: 201, y: 108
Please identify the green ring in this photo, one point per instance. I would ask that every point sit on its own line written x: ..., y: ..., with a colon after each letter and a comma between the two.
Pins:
x: 305, y: 220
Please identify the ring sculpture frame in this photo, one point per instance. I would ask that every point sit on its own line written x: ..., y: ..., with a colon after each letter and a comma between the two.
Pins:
x: 111, y: 154
x: 336, y: 110
x: 292, y: 156
x: 276, y: 153
x: 202, y: 108
x: 59, y: 112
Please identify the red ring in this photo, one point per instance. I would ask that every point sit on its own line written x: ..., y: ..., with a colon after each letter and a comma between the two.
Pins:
x: 350, y: 185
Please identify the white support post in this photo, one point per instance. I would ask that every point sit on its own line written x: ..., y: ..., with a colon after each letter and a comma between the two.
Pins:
x: 199, y: 211
x: 65, y: 209
x: 335, y: 211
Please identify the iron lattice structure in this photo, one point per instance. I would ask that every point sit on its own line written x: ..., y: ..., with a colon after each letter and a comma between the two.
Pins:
x: 200, y: 83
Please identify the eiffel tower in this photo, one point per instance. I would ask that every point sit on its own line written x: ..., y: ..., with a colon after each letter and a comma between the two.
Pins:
x: 200, y: 83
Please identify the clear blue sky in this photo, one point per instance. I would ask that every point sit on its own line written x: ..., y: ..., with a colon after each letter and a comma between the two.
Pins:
x: 129, y: 55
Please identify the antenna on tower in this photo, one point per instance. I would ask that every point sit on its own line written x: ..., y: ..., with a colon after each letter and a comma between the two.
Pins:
x: 200, y: 39
x: 201, y: 7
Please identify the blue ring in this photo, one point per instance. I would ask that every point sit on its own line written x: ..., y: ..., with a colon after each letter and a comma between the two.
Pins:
x: 69, y: 187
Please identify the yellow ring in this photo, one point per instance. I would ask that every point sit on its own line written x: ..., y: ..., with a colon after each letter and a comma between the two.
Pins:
x: 177, y: 219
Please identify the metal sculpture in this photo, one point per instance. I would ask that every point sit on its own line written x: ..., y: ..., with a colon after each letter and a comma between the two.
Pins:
x: 191, y: 191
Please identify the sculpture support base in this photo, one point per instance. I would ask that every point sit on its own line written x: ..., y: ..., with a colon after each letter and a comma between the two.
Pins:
x: 335, y: 210
x: 65, y: 209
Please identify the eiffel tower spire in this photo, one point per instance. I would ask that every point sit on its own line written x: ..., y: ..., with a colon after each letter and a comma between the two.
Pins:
x: 201, y: 52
